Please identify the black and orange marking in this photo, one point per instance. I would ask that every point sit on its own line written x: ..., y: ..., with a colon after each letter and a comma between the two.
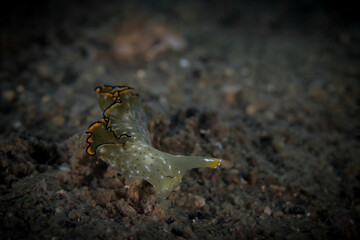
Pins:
x: 113, y: 92
x: 90, y: 140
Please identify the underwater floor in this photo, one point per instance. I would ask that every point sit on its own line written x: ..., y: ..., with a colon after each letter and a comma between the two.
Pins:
x: 271, y: 89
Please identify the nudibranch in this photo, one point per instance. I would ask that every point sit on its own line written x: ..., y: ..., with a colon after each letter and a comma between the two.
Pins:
x: 121, y: 139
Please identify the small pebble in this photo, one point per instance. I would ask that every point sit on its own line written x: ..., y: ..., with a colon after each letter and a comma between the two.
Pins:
x: 267, y: 210
x: 58, y: 121
x: 231, y: 93
x: 9, y: 95
x: 199, y: 202
x: 277, y: 188
x: 141, y: 74
x: 16, y: 124
x: 46, y: 99
x: 229, y: 72
x: 45, y: 72
x: 184, y: 63
x: 251, y: 109
x: 20, y: 88
x: 226, y: 164
x: 278, y: 214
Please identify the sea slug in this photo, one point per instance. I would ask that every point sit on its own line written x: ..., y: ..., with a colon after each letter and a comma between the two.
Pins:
x: 121, y: 139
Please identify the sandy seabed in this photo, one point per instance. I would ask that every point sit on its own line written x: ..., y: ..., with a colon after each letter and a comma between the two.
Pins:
x: 273, y: 90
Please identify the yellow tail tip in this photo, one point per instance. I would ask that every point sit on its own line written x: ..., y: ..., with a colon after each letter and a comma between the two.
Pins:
x: 213, y: 162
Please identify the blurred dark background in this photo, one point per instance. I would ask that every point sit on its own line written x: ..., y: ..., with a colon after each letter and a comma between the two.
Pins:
x: 272, y: 87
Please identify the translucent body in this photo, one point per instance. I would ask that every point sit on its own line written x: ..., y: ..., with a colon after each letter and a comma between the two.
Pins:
x: 122, y: 140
